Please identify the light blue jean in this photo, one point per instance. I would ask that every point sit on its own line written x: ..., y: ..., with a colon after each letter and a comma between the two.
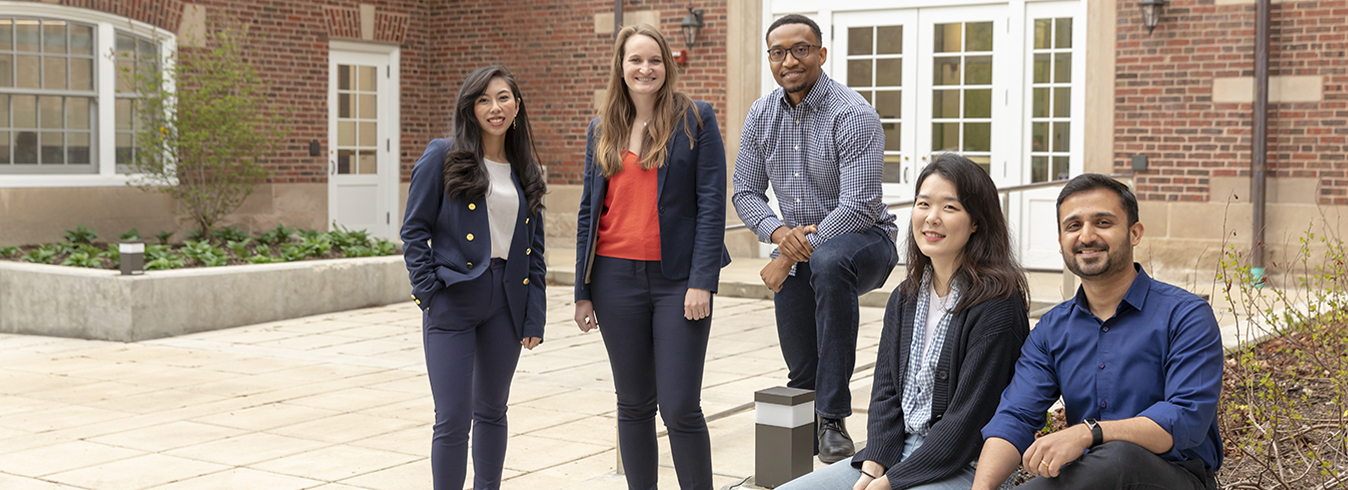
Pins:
x: 842, y: 476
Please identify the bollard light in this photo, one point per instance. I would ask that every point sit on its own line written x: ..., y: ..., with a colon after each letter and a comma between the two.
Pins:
x: 783, y: 436
x: 132, y: 254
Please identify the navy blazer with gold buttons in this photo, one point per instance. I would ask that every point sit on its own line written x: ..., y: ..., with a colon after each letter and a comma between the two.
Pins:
x: 690, y: 202
x: 459, y: 247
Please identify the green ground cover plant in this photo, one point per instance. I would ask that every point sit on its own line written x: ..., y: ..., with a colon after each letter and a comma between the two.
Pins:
x: 229, y: 246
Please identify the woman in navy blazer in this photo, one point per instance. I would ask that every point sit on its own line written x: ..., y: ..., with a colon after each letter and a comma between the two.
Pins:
x: 649, y: 252
x: 473, y: 241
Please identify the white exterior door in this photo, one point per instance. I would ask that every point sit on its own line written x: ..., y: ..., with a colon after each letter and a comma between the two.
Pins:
x: 969, y: 79
x: 362, y: 123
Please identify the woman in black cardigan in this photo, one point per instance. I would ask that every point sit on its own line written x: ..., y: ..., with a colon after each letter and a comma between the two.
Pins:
x: 952, y: 334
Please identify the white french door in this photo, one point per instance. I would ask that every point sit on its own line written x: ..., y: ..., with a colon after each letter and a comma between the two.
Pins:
x: 362, y: 125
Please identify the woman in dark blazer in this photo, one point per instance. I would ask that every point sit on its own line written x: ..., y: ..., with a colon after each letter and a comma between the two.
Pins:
x: 649, y: 252
x: 473, y: 241
x: 952, y: 334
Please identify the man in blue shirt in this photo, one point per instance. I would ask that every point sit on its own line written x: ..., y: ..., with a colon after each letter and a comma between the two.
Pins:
x: 1137, y: 362
x: 821, y: 146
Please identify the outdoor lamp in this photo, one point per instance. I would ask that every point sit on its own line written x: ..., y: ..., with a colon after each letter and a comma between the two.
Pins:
x: 692, y: 24
x: 1151, y: 13
x: 132, y: 254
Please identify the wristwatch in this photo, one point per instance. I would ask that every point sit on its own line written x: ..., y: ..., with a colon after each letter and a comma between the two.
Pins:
x: 1097, y: 435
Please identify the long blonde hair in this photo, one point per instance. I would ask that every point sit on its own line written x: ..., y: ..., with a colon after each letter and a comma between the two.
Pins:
x: 618, y: 112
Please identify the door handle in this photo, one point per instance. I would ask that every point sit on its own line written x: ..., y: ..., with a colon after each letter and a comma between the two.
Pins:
x: 332, y: 167
x: 906, y: 171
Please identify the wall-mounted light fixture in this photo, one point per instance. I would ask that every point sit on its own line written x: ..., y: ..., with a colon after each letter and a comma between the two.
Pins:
x: 1151, y: 13
x: 691, y: 26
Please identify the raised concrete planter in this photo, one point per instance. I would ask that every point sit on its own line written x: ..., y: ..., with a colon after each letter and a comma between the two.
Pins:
x: 99, y: 304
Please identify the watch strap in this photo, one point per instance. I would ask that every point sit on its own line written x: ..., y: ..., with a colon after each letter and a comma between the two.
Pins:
x: 1097, y: 435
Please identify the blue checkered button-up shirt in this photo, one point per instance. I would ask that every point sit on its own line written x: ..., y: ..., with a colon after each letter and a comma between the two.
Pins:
x: 824, y: 158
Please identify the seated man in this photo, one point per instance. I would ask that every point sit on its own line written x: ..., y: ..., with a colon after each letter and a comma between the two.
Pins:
x: 1138, y: 363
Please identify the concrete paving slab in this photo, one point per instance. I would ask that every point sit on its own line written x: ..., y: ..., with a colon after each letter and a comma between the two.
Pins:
x: 136, y: 473
x: 247, y: 449
x: 241, y: 478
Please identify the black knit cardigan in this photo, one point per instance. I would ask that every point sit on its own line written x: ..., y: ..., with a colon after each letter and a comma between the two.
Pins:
x: 977, y: 361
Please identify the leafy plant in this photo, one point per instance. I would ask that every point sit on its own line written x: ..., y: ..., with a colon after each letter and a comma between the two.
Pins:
x: 165, y: 262
x: 204, y: 253
x: 207, y: 126
x: 153, y: 252
x: 163, y: 237
x: 239, y: 247
x: 230, y: 233
x: 280, y: 234
x: 384, y: 247
x: 291, y: 252
x: 194, y: 235
x: 316, y: 245
x: 83, y: 259
x: 81, y: 234
x: 344, y: 237
x: 1284, y: 427
x: 132, y: 234
x: 45, y: 254
x: 10, y: 251
x: 261, y: 255
x: 113, y: 253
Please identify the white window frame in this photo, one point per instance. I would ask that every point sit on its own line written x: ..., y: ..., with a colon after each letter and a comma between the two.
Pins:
x: 104, y: 142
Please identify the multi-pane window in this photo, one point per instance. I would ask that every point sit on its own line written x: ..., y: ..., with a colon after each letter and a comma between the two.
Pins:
x: 962, y: 90
x: 875, y: 70
x: 47, y: 98
x: 134, y: 55
x: 1051, y: 107
x: 54, y: 74
x: 357, y: 119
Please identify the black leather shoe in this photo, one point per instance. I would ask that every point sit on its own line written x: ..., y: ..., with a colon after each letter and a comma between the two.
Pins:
x: 834, y: 443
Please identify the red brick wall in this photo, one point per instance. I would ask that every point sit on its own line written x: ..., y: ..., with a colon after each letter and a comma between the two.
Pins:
x: 551, y: 45
x: 1164, y: 107
x: 559, y: 60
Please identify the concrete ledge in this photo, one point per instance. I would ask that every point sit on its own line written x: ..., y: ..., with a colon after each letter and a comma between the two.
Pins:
x: 99, y: 304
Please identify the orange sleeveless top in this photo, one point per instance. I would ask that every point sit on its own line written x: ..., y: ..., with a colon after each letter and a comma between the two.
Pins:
x: 629, y: 225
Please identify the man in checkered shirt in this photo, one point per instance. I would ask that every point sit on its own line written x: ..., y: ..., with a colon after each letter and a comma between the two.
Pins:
x: 820, y: 145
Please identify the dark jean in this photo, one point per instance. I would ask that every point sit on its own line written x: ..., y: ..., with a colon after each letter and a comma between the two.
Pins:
x: 657, y: 357
x: 817, y: 314
x: 1124, y: 465
x: 471, y: 353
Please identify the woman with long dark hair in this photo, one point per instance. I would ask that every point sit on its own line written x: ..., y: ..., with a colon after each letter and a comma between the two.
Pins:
x: 952, y: 335
x: 649, y: 252
x: 473, y: 241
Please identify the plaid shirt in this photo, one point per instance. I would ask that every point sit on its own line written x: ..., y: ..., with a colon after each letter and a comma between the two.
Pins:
x: 824, y: 158
x: 921, y: 374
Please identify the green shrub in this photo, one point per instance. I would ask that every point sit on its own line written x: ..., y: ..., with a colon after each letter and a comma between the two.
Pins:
x: 132, y: 234
x: 45, y: 254
x: 10, y: 251
x: 81, y: 234
x: 83, y: 259
x: 202, y: 252
x: 230, y: 233
x: 165, y: 262
x: 278, y: 235
x: 164, y: 237
x: 239, y: 247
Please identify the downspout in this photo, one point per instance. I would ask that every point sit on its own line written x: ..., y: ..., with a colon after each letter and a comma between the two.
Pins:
x: 617, y: 19
x: 1259, y: 142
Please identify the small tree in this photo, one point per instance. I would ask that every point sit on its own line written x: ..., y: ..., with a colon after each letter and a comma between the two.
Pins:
x: 203, y: 130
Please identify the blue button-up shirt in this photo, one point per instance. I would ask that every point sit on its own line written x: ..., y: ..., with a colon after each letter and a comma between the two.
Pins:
x: 824, y: 157
x: 1159, y: 356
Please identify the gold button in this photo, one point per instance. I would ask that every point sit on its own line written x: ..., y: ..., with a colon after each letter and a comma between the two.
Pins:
x: 470, y: 265
x: 528, y: 250
x: 526, y: 221
x: 526, y: 281
x: 414, y: 296
x: 471, y: 206
x: 418, y: 301
x: 470, y: 237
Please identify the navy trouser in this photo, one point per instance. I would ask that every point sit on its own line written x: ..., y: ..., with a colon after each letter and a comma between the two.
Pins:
x: 471, y: 353
x: 817, y: 314
x: 1124, y: 465
x: 657, y: 357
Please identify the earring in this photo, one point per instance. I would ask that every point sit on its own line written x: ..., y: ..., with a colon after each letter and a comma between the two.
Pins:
x: 515, y: 124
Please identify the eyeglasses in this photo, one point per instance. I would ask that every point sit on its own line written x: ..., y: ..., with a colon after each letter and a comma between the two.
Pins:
x: 799, y: 51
